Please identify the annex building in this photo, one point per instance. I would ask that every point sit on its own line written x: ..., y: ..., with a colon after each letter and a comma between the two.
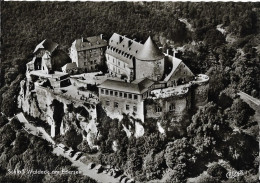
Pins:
x: 88, y: 54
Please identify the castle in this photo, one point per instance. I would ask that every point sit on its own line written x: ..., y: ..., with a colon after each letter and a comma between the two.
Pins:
x: 152, y: 83
x: 141, y: 81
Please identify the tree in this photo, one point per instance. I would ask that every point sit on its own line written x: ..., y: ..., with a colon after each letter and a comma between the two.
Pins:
x: 21, y: 143
x: 154, y: 165
x: 239, y: 112
x: 177, y: 152
x: 72, y: 138
x: 217, y: 171
x: 208, y: 129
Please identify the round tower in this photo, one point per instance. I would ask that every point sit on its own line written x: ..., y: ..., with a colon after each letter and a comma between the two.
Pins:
x: 149, y: 62
x: 201, y: 88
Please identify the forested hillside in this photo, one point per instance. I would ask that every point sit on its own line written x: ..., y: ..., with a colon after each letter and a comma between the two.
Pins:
x: 25, y: 24
x: 219, y: 39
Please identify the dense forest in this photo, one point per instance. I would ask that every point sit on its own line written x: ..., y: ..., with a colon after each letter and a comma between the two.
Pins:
x: 230, y: 58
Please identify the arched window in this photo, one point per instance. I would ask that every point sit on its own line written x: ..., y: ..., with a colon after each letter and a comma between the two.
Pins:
x: 158, y: 109
x: 171, y: 107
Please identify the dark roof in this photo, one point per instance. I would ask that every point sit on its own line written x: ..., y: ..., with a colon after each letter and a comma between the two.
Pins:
x: 123, y: 48
x: 59, y: 58
x: 89, y: 43
x: 150, y: 51
x: 138, y: 87
x: 47, y: 45
x: 125, y: 44
x: 127, y: 49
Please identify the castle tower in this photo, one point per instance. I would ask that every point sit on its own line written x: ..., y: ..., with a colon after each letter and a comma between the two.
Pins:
x: 46, y: 63
x: 149, y: 62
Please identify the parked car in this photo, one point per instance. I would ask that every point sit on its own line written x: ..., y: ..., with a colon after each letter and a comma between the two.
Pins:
x: 99, y: 168
x: 124, y: 180
x: 61, y: 146
x: 130, y: 181
x: 77, y: 155
x: 91, y: 165
x: 66, y: 148
x: 120, y: 178
x: 106, y: 171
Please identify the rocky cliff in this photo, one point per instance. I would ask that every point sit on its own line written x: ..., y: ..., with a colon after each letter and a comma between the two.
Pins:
x: 61, y: 113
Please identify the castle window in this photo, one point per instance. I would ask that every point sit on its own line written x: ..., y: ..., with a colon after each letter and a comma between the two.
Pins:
x: 134, y: 108
x: 125, y: 95
x: 171, y: 107
x: 135, y: 97
x: 127, y: 107
x: 118, y: 63
x: 130, y: 96
x: 91, y: 62
x: 111, y: 92
x: 116, y: 105
x: 106, y: 92
x: 116, y: 93
x: 102, y: 91
x: 85, y: 63
x: 107, y: 102
x: 158, y: 109
x: 121, y: 94
x: 95, y: 61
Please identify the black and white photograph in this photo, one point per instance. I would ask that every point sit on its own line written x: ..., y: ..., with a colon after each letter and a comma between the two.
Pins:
x: 129, y: 91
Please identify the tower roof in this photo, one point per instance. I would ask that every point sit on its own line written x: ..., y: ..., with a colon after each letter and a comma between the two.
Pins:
x: 150, y: 51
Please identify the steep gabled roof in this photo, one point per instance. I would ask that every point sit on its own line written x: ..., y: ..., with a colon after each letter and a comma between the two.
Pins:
x: 89, y: 43
x: 125, y: 44
x: 137, y: 87
x: 150, y: 51
x: 175, y: 64
x: 47, y: 45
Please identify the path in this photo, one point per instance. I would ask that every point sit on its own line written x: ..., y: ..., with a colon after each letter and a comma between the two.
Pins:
x: 254, y: 103
x: 101, y: 177
x: 188, y: 25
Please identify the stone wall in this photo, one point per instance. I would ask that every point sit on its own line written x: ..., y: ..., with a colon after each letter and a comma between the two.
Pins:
x: 181, y: 75
x: 174, y: 105
x: 38, y: 101
x: 116, y: 112
x: 200, y: 94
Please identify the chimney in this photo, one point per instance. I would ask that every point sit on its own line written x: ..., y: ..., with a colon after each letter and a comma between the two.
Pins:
x: 101, y: 36
x: 174, y: 52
